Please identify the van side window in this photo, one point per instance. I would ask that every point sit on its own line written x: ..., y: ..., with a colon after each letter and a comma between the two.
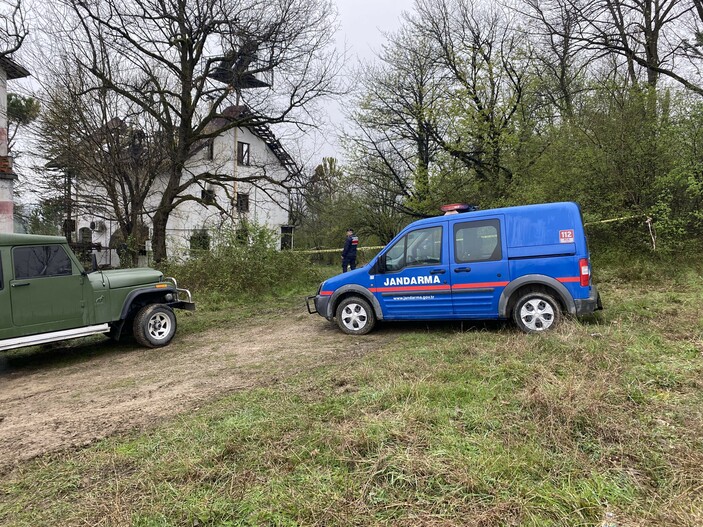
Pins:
x: 417, y: 248
x: 41, y: 261
x: 477, y: 241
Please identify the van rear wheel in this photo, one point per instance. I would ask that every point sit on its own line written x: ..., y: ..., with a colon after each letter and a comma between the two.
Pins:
x: 536, y: 312
x: 355, y: 316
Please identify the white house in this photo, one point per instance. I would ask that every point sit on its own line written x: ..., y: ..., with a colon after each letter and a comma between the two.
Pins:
x: 254, y: 194
x: 8, y: 70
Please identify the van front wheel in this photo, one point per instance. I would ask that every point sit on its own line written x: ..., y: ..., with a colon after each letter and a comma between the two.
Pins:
x: 355, y: 316
x: 536, y: 312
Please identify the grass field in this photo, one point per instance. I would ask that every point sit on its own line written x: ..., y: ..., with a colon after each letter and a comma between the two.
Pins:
x: 598, y: 423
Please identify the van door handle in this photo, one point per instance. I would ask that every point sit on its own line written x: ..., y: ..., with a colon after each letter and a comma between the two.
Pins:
x: 462, y: 270
x: 437, y: 271
x: 21, y: 284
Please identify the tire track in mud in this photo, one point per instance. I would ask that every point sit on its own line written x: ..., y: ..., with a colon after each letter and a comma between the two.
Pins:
x: 69, y: 396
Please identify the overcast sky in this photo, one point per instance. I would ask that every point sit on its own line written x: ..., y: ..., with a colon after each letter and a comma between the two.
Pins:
x: 361, y: 34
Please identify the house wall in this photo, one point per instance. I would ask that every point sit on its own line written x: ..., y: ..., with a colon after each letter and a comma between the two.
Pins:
x: 267, y: 202
x: 7, y: 181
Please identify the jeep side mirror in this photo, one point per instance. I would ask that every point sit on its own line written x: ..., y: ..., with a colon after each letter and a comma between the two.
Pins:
x: 94, y: 262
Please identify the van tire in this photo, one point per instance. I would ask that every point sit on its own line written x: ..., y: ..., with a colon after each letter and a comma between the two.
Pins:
x: 154, y: 326
x: 355, y: 316
x: 536, y: 311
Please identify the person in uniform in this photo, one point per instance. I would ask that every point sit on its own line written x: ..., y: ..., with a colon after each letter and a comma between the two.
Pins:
x: 349, y: 252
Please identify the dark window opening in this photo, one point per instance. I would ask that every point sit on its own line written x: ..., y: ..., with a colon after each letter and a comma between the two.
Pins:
x: 242, y: 202
x: 208, y: 196
x: 1, y: 282
x: 200, y: 240
x: 36, y: 262
x: 478, y: 241
x: 242, y: 153
x: 286, y: 237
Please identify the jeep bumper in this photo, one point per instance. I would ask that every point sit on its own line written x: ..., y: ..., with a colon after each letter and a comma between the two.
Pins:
x: 586, y: 306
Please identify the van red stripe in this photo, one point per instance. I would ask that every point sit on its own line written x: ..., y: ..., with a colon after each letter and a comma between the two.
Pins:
x: 409, y: 288
x: 478, y: 285
x: 326, y: 293
x: 569, y: 279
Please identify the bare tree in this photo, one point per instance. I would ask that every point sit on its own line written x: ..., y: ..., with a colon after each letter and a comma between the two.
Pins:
x: 13, y: 27
x: 488, y: 63
x: 395, y: 116
x: 178, y: 62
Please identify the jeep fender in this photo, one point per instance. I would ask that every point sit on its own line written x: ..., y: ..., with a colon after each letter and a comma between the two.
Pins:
x: 358, y: 290
x: 535, y: 279
x: 133, y: 295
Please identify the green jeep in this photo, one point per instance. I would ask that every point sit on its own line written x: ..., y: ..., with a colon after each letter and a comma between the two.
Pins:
x: 47, y: 296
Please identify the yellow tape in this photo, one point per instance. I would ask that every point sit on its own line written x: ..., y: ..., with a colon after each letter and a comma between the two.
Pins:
x: 316, y: 251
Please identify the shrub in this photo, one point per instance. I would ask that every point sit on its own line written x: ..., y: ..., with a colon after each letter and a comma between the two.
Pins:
x: 244, y: 262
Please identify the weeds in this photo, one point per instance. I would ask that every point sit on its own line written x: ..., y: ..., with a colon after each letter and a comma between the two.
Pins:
x: 597, y: 420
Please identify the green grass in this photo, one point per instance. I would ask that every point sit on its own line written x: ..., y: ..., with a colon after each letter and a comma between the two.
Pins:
x: 441, y: 427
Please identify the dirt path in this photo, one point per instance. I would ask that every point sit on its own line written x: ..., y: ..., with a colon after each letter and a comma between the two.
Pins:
x: 70, y: 396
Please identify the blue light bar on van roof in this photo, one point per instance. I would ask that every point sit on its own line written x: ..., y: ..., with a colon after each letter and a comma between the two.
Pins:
x: 456, y: 208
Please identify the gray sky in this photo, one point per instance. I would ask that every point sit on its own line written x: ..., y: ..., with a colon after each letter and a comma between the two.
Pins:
x: 361, y: 34
x: 363, y: 21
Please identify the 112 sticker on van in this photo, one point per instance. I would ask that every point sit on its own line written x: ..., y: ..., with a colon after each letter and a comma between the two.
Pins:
x: 566, y: 236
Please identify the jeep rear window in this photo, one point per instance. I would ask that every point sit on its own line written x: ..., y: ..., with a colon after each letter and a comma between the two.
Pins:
x: 477, y: 241
x: 45, y: 260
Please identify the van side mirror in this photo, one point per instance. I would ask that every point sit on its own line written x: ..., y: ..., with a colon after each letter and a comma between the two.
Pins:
x: 381, y: 263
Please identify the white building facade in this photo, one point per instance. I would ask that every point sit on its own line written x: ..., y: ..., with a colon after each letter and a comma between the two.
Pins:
x: 252, y: 177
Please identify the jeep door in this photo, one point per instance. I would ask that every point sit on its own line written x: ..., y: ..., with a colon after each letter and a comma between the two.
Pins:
x: 46, y: 289
x: 415, y: 282
x: 479, y: 268
x: 5, y: 314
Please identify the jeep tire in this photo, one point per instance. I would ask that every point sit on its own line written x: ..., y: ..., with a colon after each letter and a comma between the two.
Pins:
x: 154, y: 326
x: 355, y: 316
x: 536, y: 312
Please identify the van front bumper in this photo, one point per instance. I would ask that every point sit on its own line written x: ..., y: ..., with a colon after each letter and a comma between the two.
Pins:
x: 319, y: 305
x: 586, y: 306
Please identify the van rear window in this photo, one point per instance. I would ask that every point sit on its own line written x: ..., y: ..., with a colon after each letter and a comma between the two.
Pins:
x: 477, y: 241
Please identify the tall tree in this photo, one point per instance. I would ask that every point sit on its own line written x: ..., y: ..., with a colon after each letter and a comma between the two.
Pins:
x: 180, y: 61
x: 391, y: 143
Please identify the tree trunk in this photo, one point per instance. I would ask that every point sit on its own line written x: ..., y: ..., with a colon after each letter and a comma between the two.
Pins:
x: 158, y: 238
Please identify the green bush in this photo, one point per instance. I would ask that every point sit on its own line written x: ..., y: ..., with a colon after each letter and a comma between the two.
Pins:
x: 246, y: 264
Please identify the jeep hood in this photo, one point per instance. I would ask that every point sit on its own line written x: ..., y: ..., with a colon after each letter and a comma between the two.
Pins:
x: 130, y: 277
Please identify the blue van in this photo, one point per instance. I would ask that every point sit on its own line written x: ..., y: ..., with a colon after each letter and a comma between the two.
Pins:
x: 528, y: 263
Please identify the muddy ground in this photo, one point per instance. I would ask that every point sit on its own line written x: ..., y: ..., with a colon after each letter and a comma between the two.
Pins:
x: 69, y: 395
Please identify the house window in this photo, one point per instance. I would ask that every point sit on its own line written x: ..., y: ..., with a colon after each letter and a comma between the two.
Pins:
x: 242, y: 202
x: 85, y: 235
x: 242, y: 153
x: 210, y: 150
x: 208, y: 196
x: 45, y: 260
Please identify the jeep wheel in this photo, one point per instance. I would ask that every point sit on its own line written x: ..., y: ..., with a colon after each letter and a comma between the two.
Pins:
x: 154, y: 326
x: 536, y: 312
x: 355, y: 316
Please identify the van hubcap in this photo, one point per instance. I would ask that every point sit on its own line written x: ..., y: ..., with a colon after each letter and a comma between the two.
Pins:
x: 537, y: 314
x: 354, y: 317
x: 159, y: 326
